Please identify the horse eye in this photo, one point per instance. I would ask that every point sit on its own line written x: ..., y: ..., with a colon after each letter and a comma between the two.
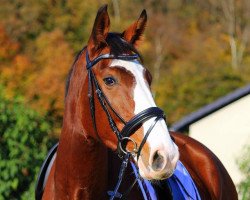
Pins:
x: 110, y: 81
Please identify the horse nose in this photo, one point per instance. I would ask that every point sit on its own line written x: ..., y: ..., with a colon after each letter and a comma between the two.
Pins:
x: 158, y: 161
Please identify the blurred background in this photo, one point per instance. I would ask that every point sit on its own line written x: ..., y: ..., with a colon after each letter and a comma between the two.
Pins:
x: 197, y: 51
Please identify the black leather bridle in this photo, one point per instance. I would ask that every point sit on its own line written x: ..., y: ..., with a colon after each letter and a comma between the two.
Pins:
x: 133, y: 124
x: 130, y: 127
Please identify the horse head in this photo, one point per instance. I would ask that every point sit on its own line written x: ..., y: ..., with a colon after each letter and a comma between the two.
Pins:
x: 116, y: 94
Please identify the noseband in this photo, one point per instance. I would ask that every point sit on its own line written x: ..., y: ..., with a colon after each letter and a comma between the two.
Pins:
x: 133, y: 124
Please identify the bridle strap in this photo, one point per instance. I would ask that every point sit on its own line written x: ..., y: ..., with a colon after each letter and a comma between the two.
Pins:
x: 146, y: 136
x: 140, y: 118
x: 90, y: 63
x: 92, y: 103
x: 115, y: 193
x: 104, y: 99
x: 136, y: 122
x: 105, y: 108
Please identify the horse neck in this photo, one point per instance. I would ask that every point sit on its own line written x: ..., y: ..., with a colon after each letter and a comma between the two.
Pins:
x: 81, y: 163
x: 81, y: 167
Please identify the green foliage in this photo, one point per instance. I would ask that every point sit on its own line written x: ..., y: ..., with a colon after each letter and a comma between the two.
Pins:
x: 243, y: 162
x: 24, y: 143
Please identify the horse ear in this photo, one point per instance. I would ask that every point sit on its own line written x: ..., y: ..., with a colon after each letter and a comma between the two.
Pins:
x: 100, y: 29
x: 134, y: 32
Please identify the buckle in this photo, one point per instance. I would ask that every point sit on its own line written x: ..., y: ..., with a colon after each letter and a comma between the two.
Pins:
x: 125, y: 151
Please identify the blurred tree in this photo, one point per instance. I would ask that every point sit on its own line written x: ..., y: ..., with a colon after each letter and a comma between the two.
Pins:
x: 195, y: 75
x: 234, y: 15
x: 158, y: 37
x: 24, y: 20
x: 13, y: 66
x: 8, y: 48
x: 52, y: 58
x: 24, y: 143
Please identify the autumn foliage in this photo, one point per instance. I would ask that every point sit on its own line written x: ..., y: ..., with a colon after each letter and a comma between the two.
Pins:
x: 186, y: 47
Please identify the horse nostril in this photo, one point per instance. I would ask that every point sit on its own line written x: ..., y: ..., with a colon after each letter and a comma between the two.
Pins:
x: 158, y: 161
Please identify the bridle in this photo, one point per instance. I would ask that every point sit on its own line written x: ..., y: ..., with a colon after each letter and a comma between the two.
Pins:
x: 130, y: 127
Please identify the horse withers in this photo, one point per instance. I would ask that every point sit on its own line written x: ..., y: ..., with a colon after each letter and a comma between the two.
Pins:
x: 109, y: 105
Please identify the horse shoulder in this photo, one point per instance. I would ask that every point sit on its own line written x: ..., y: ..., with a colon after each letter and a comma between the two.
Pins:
x: 209, y: 174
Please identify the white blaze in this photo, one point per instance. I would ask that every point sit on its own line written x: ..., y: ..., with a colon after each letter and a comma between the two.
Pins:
x: 159, y: 136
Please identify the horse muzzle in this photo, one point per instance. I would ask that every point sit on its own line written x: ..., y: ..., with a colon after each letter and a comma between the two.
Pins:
x: 160, y: 166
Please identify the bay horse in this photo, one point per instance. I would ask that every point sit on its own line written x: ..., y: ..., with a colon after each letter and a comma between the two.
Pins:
x: 109, y: 107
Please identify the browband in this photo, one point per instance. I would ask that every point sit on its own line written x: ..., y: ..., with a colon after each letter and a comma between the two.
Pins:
x: 90, y: 63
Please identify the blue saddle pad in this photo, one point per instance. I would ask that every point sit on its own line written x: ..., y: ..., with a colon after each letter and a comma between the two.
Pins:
x: 180, y: 184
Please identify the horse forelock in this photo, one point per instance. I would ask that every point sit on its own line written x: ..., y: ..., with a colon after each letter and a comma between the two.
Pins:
x: 119, y: 46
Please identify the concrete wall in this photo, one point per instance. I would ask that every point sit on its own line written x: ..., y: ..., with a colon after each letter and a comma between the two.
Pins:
x: 225, y: 132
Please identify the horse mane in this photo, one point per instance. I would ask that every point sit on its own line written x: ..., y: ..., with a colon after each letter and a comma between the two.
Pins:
x: 118, y: 46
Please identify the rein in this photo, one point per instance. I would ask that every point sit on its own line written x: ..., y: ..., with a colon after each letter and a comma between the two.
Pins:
x: 129, y: 128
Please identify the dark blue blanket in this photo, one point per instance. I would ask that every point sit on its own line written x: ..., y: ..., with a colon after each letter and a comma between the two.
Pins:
x: 180, y: 184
